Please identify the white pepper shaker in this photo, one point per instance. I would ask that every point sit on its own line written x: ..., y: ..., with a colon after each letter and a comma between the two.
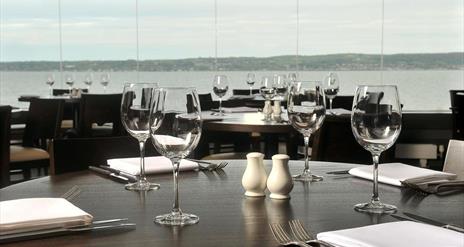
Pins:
x: 255, y: 177
x: 280, y: 182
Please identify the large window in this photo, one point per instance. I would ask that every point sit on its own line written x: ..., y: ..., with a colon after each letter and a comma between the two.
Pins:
x: 423, y: 44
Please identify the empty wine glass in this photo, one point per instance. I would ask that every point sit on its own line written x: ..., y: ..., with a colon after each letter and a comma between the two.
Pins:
x: 50, y: 81
x: 135, y: 115
x: 376, y: 124
x: 306, y: 113
x: 175, y: 129
x: 250, y: 81
x: 331, y: 87
x: 220, y: 87
x: 69, y: 80
x: 293, y: 77
x: 268, y: 91
x: 88, y: 80
x: 280, y: 85
x: 105, y: 80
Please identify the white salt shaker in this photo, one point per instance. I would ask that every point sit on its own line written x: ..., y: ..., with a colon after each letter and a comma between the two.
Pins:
x: 276, y: 110
x: 280, y: 182
x: 255, y: 177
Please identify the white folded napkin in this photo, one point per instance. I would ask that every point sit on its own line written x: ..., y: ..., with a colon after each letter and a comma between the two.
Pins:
x: 32, y: 214
x: 394, y: 173
x: 153, y: 165
x: 398, y: 234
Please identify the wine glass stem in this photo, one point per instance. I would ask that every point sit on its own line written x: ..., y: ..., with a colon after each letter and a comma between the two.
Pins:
x: 251, y: 90
x: 220, y: 105
x: 175, y: 206
x: 50, y: 88
x: 142, y: 160
x: 306, y: 142
x: 330, y: 102
x: 375, y: 192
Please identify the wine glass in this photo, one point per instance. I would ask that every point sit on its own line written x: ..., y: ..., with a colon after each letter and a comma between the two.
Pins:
x: 69, y: 80
x: 105, y: 80
x: 267, y: 90
x: 220, y: 87
x: 50, y: 81
x: 376, y: 124
x: 331, y: 87
x: 306, y: 113
x: 88, y: 80
x: 293, y: 77
x: 250, y: 81
x: 280, y: 85
x: 135, y: 115
x: 175, y: 130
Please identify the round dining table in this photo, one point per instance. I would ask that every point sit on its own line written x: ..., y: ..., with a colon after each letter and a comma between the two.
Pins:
x: 253, y: 122
x: 227, y: 216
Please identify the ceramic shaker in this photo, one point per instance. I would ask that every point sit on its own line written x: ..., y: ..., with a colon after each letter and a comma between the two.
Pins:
x: 280, y: 181
x: 255, y: 177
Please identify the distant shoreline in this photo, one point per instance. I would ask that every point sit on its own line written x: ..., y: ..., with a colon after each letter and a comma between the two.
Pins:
x: 338, y: 62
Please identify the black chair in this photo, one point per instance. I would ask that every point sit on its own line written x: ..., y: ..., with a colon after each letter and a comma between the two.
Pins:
x: 244, y: 91
x: 335, y: 142
x: 457, y: 110
x: 5, y: 122
x: 75, y: 154
x: 97, y: 113
x: 43, y: 124
x: 342, y: 101
x: 206, y: 102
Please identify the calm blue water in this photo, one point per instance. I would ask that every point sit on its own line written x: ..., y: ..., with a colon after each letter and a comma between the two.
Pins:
x: 419, y: 90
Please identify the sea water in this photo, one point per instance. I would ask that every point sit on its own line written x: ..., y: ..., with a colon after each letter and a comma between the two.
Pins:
x: 418, y: 90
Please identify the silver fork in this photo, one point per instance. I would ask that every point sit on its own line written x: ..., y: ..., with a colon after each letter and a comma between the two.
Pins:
x: 282, y: 237
x: 72, y: 193
x: 303, y: 235
x: 210, y: 166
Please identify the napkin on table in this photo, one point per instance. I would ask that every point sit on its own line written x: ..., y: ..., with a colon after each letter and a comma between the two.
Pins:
x: 398, y: 234
x: 30, y: 214
x: 153, y: 165
x: 394, y: 173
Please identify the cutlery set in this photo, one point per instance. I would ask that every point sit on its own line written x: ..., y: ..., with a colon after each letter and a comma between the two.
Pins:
x: 301, y: 237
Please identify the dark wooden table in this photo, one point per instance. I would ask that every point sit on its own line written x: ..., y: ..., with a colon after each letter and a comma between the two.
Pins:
x: 227, y: 217
x: 253, y: 122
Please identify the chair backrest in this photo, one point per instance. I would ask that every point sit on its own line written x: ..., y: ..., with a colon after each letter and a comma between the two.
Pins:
x: 43, y: 121
x: 206, y: 101
x: 457, y: 109
x: 100, y: 109
x: 244, y: 91
x: 342, y: 101
x: 59, y: 91
x: 5, y: 122
x: 75, y: 154
x: 454, y: 161
x: 335, y: 142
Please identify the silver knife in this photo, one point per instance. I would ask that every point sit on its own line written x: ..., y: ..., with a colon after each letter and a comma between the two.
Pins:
x: 434, y: 222
x: 111, y: 174
x: 338, y: 172
x: 131, y: 177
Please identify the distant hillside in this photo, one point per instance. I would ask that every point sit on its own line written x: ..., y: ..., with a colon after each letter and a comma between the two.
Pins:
x: 429, y: 61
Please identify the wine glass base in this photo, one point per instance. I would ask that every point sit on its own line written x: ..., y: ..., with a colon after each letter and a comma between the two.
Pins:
x: 142, y: 186
x: 307, y: 177
x: 177, y: 219
x: 375, y: 208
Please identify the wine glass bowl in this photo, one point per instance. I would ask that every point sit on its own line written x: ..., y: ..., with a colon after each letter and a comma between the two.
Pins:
x: 220, y: 88
x: 88, y: 80
x: 306, y: 113
x: 69, y: 80
x: 175, y: 130
x: 135, y: 116
x: 331, y: 87
x: 281, y: 86
x: 376, y: 124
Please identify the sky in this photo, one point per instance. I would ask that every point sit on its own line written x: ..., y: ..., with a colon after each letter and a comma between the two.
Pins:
x: 171, y: 29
